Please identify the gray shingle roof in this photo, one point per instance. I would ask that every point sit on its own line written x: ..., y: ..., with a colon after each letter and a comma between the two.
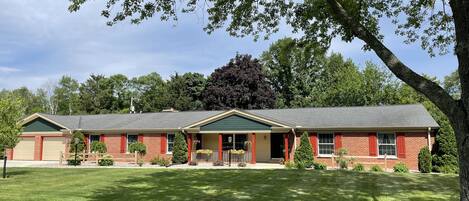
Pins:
x: 398, y: 116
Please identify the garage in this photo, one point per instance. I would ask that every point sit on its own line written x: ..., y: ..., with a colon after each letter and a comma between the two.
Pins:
x: 24, y: 150
x: 51, y: 148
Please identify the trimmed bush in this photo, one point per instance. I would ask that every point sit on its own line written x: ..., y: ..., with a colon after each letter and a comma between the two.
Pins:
x: 179, y: 149
x: 290, y: 165
x: 242, y: 164
x: 193, y: 163
x: 400, y: 168
x: 341, y: 160
x: 140, y: 162
x: 320, y: 166
x: 359, y: 167
x: 376, y: 168
x: 106, y: 161
x: 304, y: 152
x: 425, y: 160
x: 98, y: 147
x: 81, y: 145
x: 155, y: 160
x: 72, y: 161
x: 300, y: 166
x: 164, y: 162
x: 218, y: 163
x: 138, y: 147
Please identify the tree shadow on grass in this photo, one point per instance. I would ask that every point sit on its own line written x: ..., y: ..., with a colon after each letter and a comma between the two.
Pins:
x: 277, y: 185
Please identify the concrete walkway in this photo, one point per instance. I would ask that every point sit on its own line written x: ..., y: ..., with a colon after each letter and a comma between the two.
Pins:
x: 55, y: 164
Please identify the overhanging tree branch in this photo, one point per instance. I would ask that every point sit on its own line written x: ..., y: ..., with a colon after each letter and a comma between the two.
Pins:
x: 430, y: 89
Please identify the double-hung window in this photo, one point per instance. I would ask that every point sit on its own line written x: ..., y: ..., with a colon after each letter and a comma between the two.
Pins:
x: 326, y: 144
x: 94, y: 138
x: 387, y: 144
x: 170, y: 143
x: 131, y: 139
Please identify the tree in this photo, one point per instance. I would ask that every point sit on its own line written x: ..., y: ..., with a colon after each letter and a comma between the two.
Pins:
x: 186, y: 91
x: 11, y: 112
x: 239, y: 84
x: 322, y: 20
x: 304, y: 152
x: 425, y: 160
x: 67, y: 95
x: 150, y: 93
x: 452, y: 85
x: 80, y: 146
x: 179, y: 149
x: 96, y: 95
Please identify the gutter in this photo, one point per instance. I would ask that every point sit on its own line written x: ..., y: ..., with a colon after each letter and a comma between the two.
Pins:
x: 429, y: 139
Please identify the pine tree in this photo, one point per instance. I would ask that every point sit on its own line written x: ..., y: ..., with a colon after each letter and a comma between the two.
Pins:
x: 425, y: 160
x: 179, y: 149
x: 304, y: 152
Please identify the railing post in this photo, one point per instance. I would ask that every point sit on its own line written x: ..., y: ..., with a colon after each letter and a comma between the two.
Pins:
x: 385, y: 162
x: 332, y: 161
x: 136, y: 157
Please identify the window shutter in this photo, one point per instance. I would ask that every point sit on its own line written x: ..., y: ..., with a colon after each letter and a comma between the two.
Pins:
x: 123, y: 142
x: 101, y: 138
x: 313, y: 137
x: 87, y: 139
x: 373, y: 143
x: 400, y: 143
x: 163, y: 143
x: 338, y: 141
x: 140, y: 138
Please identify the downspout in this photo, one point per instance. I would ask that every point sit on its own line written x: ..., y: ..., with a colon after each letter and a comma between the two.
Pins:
x: 429, y: 139
x: 294, y: 143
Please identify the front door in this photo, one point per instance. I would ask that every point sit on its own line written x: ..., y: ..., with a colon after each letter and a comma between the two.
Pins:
x: 276, y: 145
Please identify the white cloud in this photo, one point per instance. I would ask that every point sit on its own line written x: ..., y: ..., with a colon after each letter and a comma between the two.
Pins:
x: 4, y: 69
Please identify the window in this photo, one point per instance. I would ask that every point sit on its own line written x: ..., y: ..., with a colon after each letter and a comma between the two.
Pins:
x: 237, y: 141
x: 131, y: 139
x: 387, y: 144
x: 326, y: 143
x: 170, y: 142
x: 94, y: 138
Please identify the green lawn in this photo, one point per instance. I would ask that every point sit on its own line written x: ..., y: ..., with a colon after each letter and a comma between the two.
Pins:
x: 172, y: 184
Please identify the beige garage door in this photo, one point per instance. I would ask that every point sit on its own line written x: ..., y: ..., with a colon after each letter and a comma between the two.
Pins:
x: 24, y: 150
x: 51, y: 148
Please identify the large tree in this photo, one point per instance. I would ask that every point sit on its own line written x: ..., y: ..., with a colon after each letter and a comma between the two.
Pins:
x: 437, y: 25
x: 150, y: 93
x: 67, y: 96
x: 239, y: 84
x: 185, y: 91
x: 96, y: 95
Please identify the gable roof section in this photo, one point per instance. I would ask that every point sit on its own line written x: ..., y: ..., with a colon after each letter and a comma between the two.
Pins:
x: 42, y: 123
x: 397, y: 116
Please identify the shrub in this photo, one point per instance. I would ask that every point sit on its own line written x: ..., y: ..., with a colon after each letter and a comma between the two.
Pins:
x: 304, y: 152
x: 376, y: 168
x: 425, y: 160
x: 300, y: 166
x: 320, y: 166
x: 290, y: 165
x: 165, y: 162
x: 218, y: 163
x: 206, y: 153
x: 106, y: 161
x: 138, y: 147
x: 2, y: 151
x: 242, y: 164
x: 140, y: 162
x: 98, y: 147
x: 155, y: 160
x: 179, y: 149
x: 341, y: 160
x: 193, y: 163
x: 81, y: 142
x: 237, y: 152
x: 72, y: 161
x: 282, y: 161
x: 401, y: 168
x: 359, y: 167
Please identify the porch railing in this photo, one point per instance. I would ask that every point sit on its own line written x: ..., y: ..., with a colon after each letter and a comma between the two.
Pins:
x: 246, y: 157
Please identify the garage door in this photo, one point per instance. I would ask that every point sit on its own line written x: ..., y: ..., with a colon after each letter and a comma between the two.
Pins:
x: 24, y: 150
x: 51, y: 148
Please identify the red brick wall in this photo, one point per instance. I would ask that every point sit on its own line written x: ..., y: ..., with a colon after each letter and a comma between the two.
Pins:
x: 153, y: 143
x: 113, y: 143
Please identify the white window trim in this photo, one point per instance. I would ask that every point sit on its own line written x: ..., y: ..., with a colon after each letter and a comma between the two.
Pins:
x: 167, y: 143
x: 395, y: 144
x: 333, y: 144
x: 127, y: 141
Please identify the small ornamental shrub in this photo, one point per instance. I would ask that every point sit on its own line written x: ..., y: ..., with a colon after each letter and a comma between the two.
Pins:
x: 81, y: 142
x: 425, y: 160
x: 376, y: 168
x: 72, y: 161
x: 155, y: 160
x: 237, y: 152
x: 193, y: 163
x: 140, y: 162
x: 242, y: 164
x: 106, y: 161
x: 341, y: 160
x: 401, y: 168
x: 359, y: 167
x: 98, y: 147
x: 304, y: 152
x: 205, y: 153
x: 218, y: 163
x: 300, y: 166
x: 290, y: 165
x: 165, y: 162
x: 179, y: 149
x: 320, y: 166
x: 138, y: 147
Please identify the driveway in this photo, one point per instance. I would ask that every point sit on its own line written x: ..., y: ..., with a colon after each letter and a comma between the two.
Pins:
x: 15, y: 163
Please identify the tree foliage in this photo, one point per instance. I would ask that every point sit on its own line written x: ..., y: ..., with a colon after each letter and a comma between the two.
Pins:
x: 185, y: 91
x: 11, y: 111
x: 80, y: 147
x: 304, y: 152
x: 425, y: 160
x: 239, y: 84
x: 179, y: 149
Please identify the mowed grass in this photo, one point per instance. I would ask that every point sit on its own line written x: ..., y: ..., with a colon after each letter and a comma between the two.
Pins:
x: 179, y: 184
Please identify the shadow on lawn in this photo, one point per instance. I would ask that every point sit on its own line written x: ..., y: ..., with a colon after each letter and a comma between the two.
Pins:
x: 275, y: 185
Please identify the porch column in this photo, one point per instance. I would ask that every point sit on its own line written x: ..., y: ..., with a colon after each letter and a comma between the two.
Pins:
x: 253, y: 148
x: 285, y: 139
x: 189, y: 147
x: 220, y: 147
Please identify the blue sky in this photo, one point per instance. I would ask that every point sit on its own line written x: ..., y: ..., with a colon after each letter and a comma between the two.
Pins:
x: 40, y: 41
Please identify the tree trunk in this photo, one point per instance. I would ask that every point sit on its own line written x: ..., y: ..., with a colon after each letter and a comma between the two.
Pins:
x: 461, y: 131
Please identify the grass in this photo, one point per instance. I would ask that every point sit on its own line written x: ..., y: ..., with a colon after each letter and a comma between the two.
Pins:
x: 178, y: 184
